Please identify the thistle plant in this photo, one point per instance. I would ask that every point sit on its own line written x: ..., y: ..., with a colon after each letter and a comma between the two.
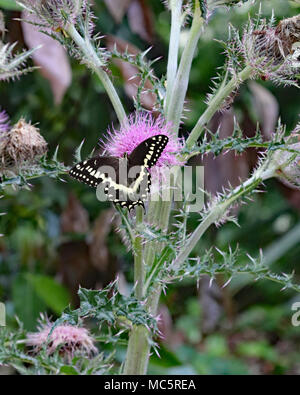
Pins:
x: 162, y: 249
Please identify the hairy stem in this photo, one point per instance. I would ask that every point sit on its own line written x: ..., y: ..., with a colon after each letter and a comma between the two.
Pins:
x: 154, y: 211
x: 139, y: 271
x: 137, y: 352
x: 216, y: 103
x: 138, y: 346
x: 176, y: 6
x: 178, y: 91
x: 88, y: 52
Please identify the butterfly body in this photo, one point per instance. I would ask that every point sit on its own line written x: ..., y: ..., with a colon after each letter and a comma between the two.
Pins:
x: 126, y: 181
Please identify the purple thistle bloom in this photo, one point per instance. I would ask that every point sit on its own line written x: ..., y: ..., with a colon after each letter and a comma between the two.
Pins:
x: 141, y: 126
x: 4, y: 122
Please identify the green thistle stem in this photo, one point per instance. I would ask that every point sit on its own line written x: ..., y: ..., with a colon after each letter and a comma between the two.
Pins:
x: 139, y: 270
x: 96, y: 64
x: 138, y: 346
x: 138, y: 350
x: 176, y: 6
x: 153, y: 216
x: 216, y: 104
x: 178, y: 91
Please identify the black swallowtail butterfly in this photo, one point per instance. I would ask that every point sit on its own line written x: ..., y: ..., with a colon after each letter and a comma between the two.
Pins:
x: 94, y: 171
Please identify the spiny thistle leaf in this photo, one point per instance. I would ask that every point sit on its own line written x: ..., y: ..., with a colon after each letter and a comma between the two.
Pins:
x: 13, y: 65
x: 110, y: 307
x: 230, y: 266
x: 77, y: 155
x: 44, y: 168
x: 212, y: 143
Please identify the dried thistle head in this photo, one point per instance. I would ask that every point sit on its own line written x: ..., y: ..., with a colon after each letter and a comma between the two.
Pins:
x: 270, y: 50
x: 276, y: 43
x: 288, y: 30
x: 23, y: 143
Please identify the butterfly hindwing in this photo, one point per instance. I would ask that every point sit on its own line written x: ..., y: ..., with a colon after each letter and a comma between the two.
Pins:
x: 130, y: 204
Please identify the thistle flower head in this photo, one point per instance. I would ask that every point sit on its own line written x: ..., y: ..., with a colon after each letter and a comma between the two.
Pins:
x: 55, y: 13
x: 139, y: 127
x: 4, y: 122
x: 65, y: 338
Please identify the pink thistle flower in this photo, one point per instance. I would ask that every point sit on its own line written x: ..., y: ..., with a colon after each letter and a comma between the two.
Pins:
x: 141, y: 126
x: 4, y: 122
x: 67, y: 338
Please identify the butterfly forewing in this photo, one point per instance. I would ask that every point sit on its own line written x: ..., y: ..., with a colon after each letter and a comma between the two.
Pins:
x: 92, y: 171
x: 148, y: 152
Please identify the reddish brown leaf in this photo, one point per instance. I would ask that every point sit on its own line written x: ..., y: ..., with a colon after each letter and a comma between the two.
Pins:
x: 228, y: 167
x: 99, y: 254
x: 117, y: 8
x: 51, y: 57
x: 85, y: 262
x: 74, y: 218
x: 211, y: 303
x: 266, y: 107
x: 141, y: 19
x: 74, y: 267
